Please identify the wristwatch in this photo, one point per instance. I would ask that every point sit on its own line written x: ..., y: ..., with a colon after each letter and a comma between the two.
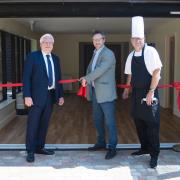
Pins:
x: 152, y: 89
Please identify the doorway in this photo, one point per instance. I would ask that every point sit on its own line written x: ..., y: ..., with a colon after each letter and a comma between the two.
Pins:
x: 120, y: 50
x: 171, y: 71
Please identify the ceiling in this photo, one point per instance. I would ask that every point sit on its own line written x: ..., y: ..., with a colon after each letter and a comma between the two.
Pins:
x: 130, y: 1
x: 156, y: 1
x: 87, y: 25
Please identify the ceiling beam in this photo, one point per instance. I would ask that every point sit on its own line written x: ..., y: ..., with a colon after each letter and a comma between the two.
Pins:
x: 88, y: 9
x: 131, y: 1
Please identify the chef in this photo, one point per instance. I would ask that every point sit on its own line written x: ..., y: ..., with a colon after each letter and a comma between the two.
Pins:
x: 143, y: 67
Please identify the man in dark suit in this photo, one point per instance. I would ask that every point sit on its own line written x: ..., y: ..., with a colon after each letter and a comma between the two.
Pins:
x: 41, y: 90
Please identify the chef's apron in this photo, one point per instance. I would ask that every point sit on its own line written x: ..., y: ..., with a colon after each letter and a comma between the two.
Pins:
x: 140, y: 82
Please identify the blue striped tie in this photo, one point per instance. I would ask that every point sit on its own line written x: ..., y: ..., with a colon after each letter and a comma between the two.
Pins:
x: 50, y: 74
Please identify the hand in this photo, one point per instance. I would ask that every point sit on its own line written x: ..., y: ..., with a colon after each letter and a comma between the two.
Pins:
x: 28, y: 101
x: 149, y: 98
x: 61, y: 101
x: 83, y: 82
x: 125, y: 94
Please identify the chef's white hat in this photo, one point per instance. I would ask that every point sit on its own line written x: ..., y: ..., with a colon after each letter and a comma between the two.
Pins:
x: 137, y: 27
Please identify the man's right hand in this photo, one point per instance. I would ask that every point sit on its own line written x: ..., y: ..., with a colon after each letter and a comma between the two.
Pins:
x: 28, y: 101
x: 125, y: 94
x: 83, y: 81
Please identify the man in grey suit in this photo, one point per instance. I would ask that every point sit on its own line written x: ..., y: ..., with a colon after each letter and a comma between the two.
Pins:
x: 101, y: 90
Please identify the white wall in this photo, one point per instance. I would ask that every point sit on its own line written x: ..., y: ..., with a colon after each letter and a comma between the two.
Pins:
x: 67, y: 48
x: 159, y: 35
x: 12, y: 26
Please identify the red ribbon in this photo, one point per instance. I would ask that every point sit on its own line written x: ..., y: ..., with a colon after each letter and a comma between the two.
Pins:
x: 177, y: 86
x: 123, y: 86
x: 11, y: 85
x: 68, y: 81
x: 173, y: 85
x: 82, y: 90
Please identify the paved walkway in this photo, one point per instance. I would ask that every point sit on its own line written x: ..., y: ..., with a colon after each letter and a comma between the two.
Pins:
x: 84, y: 165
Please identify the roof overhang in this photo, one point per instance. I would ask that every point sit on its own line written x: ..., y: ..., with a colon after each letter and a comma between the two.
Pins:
x: 89, y: 9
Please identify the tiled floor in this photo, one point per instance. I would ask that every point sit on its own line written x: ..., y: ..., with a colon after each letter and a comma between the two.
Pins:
x: 84, y: 165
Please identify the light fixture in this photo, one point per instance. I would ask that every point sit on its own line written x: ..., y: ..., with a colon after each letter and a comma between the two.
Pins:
x: 175, y: 12
x: 32, y: 24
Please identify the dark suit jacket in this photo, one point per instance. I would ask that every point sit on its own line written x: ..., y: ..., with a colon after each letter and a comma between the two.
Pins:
x: 35, y: 78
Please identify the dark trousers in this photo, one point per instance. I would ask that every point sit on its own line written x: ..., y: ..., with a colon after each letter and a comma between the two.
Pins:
x: 104, y: 114
x: 37, y: 124
x: 148, y: 133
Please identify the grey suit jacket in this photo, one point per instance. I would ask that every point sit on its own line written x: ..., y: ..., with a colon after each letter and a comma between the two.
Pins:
x: 103, y: 77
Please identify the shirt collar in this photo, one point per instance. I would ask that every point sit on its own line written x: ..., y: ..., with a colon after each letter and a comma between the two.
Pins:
x: 44, y: 54
x: 99, y: 50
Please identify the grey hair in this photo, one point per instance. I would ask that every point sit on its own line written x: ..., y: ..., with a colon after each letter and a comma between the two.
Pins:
x: 46, y: 36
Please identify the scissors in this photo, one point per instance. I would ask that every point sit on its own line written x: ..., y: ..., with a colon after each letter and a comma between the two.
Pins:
x: 155, y: 101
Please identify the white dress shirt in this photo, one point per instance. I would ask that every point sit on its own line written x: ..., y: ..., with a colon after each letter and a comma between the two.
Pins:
x: 52, y: 64
x: 151, y: 59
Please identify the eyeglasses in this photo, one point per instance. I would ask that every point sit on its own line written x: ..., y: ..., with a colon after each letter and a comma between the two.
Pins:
x: 97, y: 40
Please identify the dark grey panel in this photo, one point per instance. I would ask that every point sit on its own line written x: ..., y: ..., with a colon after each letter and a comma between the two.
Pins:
x: 89, y: 9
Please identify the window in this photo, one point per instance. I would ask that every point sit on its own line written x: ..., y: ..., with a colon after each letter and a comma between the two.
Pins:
x: 13, y: 50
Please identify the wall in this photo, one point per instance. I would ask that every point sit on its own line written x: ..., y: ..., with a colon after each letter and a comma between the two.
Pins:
x: 12, y: 26
x: 160, y: 35
x: 7, y: 112
x: 7, y: 108
x: 67, y: 47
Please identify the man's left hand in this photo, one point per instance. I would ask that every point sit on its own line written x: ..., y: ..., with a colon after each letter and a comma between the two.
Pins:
x: 149, y: 98
x: 61, y: 101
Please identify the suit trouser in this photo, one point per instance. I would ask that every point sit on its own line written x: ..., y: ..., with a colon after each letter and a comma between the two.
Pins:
x: 104, y: 113
x: 37, y: 124
x: 148, y: 133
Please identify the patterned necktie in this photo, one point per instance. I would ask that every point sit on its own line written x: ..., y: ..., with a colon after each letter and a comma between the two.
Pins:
x: 50, y: 74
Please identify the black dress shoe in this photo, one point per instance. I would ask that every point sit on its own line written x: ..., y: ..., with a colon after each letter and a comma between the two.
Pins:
x: 110, y: 154
x: 97, y: 147
x: 44, y: 151
x: 140, y: 152
x: 153, y: 162
x: 30, y: 157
